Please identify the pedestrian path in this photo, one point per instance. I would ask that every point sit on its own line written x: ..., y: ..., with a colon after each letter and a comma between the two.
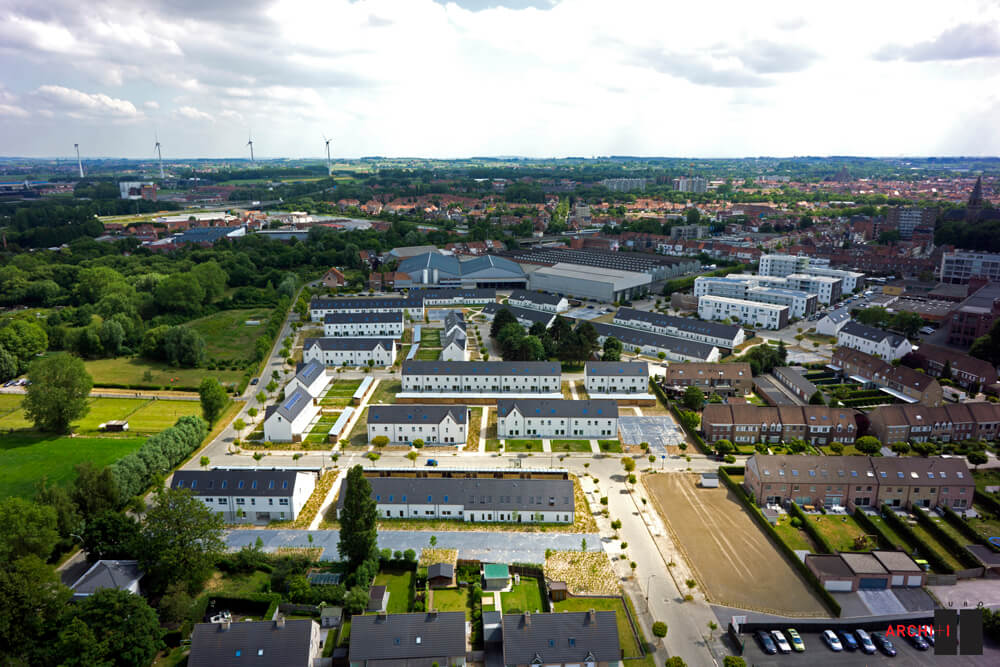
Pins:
x: 546, y: 445
x: 482, y: 429
x: 357, y: 414
x: 572, y: 390
x: 595, y: 447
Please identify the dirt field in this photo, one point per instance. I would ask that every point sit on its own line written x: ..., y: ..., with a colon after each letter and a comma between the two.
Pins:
x: 736, y: 563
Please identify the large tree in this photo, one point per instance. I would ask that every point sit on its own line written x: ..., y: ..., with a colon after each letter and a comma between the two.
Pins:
x: 181, y: 539
x: 694, y: 398
x: 213, y: 399
x: 358, y: 528
x: 868, y: 444
x: 31, y: 601
x: 112, y: 535
x: 612, y: 349
x: 500, y: 319
x: 57, y: 395
x: 94, y: 490
x: 26, y: 529
x: 111, y: 627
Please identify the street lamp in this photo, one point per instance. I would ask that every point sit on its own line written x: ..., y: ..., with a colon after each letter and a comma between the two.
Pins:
x: 648, y: 581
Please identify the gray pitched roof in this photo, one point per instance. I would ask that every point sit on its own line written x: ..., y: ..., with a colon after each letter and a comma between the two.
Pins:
x: 457, y: 337
x: 454, y: 318
x: 436, y: 570
x: 543, y: 407
x: 838, y: 316
x: 704, y: 328
x: 404, y: 413
x: 348, y: 343
x: 259, y: 482
x: 308, y: 372
x: 258, y: 643
x: 353, y: 318
x: 529, y: 314
x: 535, y: 297
x: 293, y: 405
x: 560, y: 637
x: 419, y: 367
x: 395, y: 638
x: 630, y: 368
x: 637, y: 337
x: 120, y: 574
x: 451, y: 292
x: 347, y: 304
x: 871, y: 333
x: 476, y: 494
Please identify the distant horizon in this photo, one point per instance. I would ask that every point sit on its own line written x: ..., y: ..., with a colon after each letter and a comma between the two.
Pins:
x: 322, y: 158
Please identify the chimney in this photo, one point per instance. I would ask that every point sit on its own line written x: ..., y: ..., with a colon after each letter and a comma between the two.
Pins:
x: 225, y: 624
x: 527, y: 619
x: 592, y: 617
x: 279, y: 622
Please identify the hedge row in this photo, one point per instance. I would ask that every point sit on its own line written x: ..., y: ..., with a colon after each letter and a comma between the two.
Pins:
x: 810, y: 527
x: 929, y: 553
x: 698, y: 440
x: 987, y: 501
x: 161, y: 452
x: 766, y: 526
x: 871, y: 529
x: 959, y: 524
x: 947, y: 541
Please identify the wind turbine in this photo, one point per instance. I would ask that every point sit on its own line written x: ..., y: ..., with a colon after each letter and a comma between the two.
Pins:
x: 159, y: 155
x: 79, y: 163
x: 329, y: 167
x: 250, y: 144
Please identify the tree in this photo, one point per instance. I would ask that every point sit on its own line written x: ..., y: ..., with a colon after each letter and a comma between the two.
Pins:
x: 26, y: 529
x: 724, y: 447
x: 8, y: 365
x: 180, y: 293
x: 112, y: 535
x: 213, y: 399
x: 94, y: 490
x: 31, y: 601
x: 733, y: 661
x: 239, y: 425
x: 628, y: 463
x: 901, y: 448
x: 23, y: 340
x: 977, y: 458
x: 356, y: 600
x: 418, y: 443
x: 358, y: 530
x: 502, y: 318
x: 660, y: 629
x: 946, y: 371
x: 212, y: 279
x: 837, y: 447
x: 110, y: 627
x: 561, y: 329
x: 868, y: 444
x: 694, y: 398
x: 58, y: 393
x: 380, y: 440
x: 675, y: 661
x: 413, y: 456
x: 817, y: 398
x: 181, y: 540
x: 204, y: 462
x: 612, y: 349
x: 68, y: 520
x: 183, y: 346
x: 925, y: 449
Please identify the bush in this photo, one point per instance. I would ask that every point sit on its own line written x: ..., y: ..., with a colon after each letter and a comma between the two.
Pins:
x: 660, y: 629
x: 796, y: 522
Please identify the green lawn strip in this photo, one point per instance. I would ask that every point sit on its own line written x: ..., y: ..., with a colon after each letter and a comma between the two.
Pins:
x: 345, y: 634
x: 321, y: 430
x: 986, y: 477
x: 400, y: 585
x: 158, y: 415
x: 839, y: 530
x: 430, y: 338
x: 611, y: 446
x: 453, y: 599
x: 15, y: 421
x: 359, y: 434
x: 428, y: 353
x: 523, y: 445
x: 893, y: 536
x: 386, y: 391
x: 796, y: 538
x: 948, y: 528
x: 948, y: 557
x: 239, y: 585
x: 226, y: 333
x: 9, y: 403
x: 625, y: 636
x: 570, y: 445
x: 492, y: 445
x: 26, y: 458
x: 342, y: 388
x: 525, y: 596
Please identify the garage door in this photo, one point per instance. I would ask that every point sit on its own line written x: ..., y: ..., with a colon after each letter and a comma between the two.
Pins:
x: 913, y: 580
x: 897, y: 579
x: 842, y: 586
x: 874, y: 582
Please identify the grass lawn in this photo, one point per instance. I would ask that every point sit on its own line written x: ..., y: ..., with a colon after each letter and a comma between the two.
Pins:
x: 524, y: 597
x: 27, y: 457
x: 625, y: 636
x: 226, y: 334
x: 475, y: 421
x: 950, y: 559
x: 400, y: 585
x: 796, y: 538
x: 523, y: 445
x: 428, y: 353
x: 453, y: 599
x: 849, y: 450
x: 359, y: 434
x: 894, y: 537
x: 9, y: 402
x: 566, y: 393
x: 492, y: 445
x: 430, y: 337
x: 839, y: 530
x: 386, y: 391
x: 342, y: 388
x: 15, y: 420
x: 612, y: 446
x: 570, y: 445
x: 132, y: 370
x: 321, y: 430
x: 158, y: 415
x: 987, y: 527
x: 986, y: 477
x: 237, y: 585
x: 104, y: 409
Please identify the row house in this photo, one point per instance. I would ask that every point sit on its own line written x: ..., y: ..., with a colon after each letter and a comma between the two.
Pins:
x: 364, y: 325
x: 900, y: 381
x: 722, y: 379
x: 481, y: 377
x: 249, y: 496
x: 454, y: 322
x: 404, y: 423
x: 723, y: 336
x: 965, y: 370
x: 952, y: 422
x: 351, y: 351
x: 289, y: 420
x: 454, y: 296
x: 748, y: 424
x: 549, y: 418
x: 859, y: 481
x: 552, y: 303
x: 310, y: 377
x: 657, y: 345
x: 320, y: 308
x: 454, y: 346
x: 616, y: 377
x: 873, y: 341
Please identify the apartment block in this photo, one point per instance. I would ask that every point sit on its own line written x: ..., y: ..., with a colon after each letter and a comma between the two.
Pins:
x: 750, y: 313
x: 961, y: 266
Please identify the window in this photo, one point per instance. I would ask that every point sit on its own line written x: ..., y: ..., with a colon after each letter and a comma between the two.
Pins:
x: 240, y: 485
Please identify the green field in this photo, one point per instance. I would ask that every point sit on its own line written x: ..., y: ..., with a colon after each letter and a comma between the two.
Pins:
x: 427, y: 353
x: 570, y: 445
x: 27, y: 457
x: 430, y: 337
x: 613, y: 446
x: 145, y: 416
x: 625, y: 636
x: 523, y: 597
x: 226, y: 334
x: 400, y: 586
x: 523, y: 445
x: 132, y: 370
x: 158, y: 415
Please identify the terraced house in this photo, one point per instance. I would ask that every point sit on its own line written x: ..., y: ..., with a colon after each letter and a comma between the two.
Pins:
x: 481, y: 377
x: 288, y: 420
x: 875, y: 342
x: 471, y: 499
x: 350, y: 351
x: 900, y: 382
x: 721, y: 379
x: 952, y: 422
x: 363, y: 325
x: 966, y: 371
x: 748, y: 424
x: 552, y: 303
x: 412, y: 306
x: 616, y: 377
x: 404, y: 423
x: 249, y: 496
x: 723, y: 336
x: 543, y: 418
x: 859, y: 481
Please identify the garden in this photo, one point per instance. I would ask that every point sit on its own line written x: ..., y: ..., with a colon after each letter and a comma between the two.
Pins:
x: 570, y: 445
x: 524, y: 596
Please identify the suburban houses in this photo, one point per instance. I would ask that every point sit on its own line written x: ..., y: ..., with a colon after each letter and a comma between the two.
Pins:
x: 481, y: 377
x: 653, y: 344
x: 258, y: 496
x: 287, y: 421
x: 900, y: 381
x: 293, y: 642
x: 546, y: 418
x: 404, y: 423
x: 552, y: 303
x: 408, y: 639
x: 351, y: 351
x: 951, y: 422
x: 873, y: 341
x: 616, y: 377
x: 364, y: 325
x: 561, y: 639
x: 310, y: 377
x: 815, y: 424
x: 733, y: 379
x: 723, y: 336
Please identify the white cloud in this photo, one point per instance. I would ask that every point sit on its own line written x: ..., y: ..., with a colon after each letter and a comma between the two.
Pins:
x: 191, y: 113
x: 151, y: 104
x: 89, y: 104
x: 13, y: 111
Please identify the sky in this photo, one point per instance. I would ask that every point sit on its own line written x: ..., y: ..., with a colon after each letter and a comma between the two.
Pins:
x: 535, y: 78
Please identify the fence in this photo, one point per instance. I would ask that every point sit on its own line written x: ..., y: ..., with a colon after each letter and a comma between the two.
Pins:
x: 698, y: 441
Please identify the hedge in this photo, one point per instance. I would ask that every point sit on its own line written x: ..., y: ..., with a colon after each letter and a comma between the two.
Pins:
x: 810, y: 527
x: 987, y: 501
x: 946, y: 540
x: 766, y: 526
x: 161, y: 452
x: 928, y: 552
x: 959, y: 524
x: 871, y: 529
x: 698, y: 441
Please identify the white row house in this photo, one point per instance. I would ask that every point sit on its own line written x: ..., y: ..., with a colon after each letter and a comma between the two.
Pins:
x: 750, y: 313
x: 652, y: 344
x: 552, y: 303
x: 616, y: 377
x: 446, y: 296
x: 552, y: 418
x: 473, y: 499
x: 831, y: 323
x: 455, y: 346
x: 404, y: 423
x: 454, y: 321
x: 364, y: 325
x: 724, y: 336
x: 320, y: 308
x: 310, y: 377
x: 249, y: 496
x: 351, y: 351
x: 876, y: 342
x: 525, y: 316
x: 482, y: 377
x: 288, y: 421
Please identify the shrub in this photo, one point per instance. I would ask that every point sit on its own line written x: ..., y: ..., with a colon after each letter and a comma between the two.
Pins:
x: 660, y: 629
x: 796, y: 522
x: 691, y: 583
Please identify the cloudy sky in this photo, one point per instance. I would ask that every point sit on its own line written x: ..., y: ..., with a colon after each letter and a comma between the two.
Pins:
x: 541, y: 78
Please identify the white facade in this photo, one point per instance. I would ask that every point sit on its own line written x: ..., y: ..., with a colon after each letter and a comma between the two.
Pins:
x: 750, y: 288
x: 831, y: 323
x: 455, y: 349
x: 313, y: 386
x: 250, y: 500
x: 382, y: 352
x: 680, y: 327
x: 320, y: 308
x: 960, y: 266
x: 364, y: 329
x: 447, y: 431
x: 782, y: 265
x: 750, y: 313
x: 788, y: 265
x: 488, y: 377
x: 517, y: 425
x: 560, y: 306
x: 852, y: 280
x: 617, y: 383
x: 887, y: 348
x: 279, y: 428
x: 827, y: 289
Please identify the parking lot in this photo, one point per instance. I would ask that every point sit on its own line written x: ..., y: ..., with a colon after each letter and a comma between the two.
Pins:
x: 657, y: 431
x: 817, y: 653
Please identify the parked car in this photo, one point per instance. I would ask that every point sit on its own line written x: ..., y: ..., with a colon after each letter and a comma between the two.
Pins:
x: 797, y: 642
x: 766, y: 643
x: 847, y: 640
x: 590, y: 307
x: 884, y: 644
x: 432, y: 462
x: 928, y: 634
x: 918, y: 641
x: 865, y: 641
x: 254, y: 381
x: 830, y: 637
x: 780, y: 641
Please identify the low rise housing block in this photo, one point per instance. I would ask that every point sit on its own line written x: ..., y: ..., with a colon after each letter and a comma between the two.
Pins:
x: 616, y: 377
x: 249, y: 496
x: 551, y: 418
x: 404, y: 423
